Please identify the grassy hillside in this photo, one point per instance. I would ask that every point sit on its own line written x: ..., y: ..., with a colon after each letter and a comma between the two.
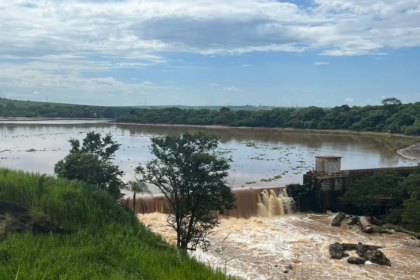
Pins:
x: 96, y: 237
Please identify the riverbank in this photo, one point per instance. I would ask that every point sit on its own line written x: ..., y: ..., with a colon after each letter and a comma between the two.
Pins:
x: 412, y: 152
x: 59, y: 229
x: 285, y: 129
x: 20, y: 119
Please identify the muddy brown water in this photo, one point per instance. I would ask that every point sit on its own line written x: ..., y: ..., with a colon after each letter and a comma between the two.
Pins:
x: 259, y: 155
x: 260, y: 247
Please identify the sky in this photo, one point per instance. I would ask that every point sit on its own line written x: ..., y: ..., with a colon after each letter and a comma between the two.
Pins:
x: 210, y: 52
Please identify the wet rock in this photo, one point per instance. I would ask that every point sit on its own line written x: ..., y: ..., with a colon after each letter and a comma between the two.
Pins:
x: 349, y: 246
x: 375, y: 221
x: 336, y: 251
x: 365, y: 225
x: 356, y: 260
x: 376, y: 256
x: 336, y: 222
x: 287, y: 268
x: 352, y: 220
x: 361, y: 249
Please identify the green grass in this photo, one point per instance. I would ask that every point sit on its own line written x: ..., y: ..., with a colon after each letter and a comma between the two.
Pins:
x: 106, y: 240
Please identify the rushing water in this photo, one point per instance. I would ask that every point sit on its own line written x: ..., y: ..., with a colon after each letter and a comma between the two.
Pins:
x: 259, y: 248
x: 261, y: 157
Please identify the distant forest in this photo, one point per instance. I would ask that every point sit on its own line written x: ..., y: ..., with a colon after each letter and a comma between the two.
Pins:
x: 392, y: 116
x: 15, y: 108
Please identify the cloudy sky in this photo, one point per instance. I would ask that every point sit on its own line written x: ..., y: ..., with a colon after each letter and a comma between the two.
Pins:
x: 210, y: 52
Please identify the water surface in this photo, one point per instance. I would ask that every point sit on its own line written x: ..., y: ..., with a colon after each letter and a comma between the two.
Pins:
x: 261, y: 157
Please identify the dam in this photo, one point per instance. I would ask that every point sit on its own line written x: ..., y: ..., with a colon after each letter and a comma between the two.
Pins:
x: 321, y: 189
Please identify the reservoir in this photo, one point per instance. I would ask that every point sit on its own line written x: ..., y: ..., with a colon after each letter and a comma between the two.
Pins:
x: 260, y: 157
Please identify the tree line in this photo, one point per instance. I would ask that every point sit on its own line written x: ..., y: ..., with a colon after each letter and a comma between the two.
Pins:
x: 51, y: 110
x: 392, y: 116
x: 394, y: 197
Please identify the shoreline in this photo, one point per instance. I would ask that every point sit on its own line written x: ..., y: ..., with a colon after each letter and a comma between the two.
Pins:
x: 342, y: 131
x: 411, y: 152
x: 26, y: 119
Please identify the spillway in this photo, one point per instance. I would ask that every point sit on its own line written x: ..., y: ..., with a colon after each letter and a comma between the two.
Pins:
x: 253, y: 202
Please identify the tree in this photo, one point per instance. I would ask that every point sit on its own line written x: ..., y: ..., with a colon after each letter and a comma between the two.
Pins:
x: 192, y: 177
x: 371, y: 193
x: 411, y: 212
x: 92, y: 163
x: 391, y: 101
x: 137, y: 186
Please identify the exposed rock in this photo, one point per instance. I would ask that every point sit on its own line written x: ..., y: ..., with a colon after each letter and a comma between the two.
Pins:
x: 352, y: 220
x: 336, y: 251
x: 356, y: 260
x: 361, y: 249
x: 376, y: 256
x: 287, y: 268
x: 370, y: 253
x: 349, y: 246
x: 336, y: 222
x: 375, y: 221
x: 365, y: 225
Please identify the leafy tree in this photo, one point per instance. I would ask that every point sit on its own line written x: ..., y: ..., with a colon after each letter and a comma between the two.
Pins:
x: 371, y: 193
x: 91, y: 163
x: 391, y: 101
x: 411, y: 213
x: 192, y: 177
x: 137, y: 186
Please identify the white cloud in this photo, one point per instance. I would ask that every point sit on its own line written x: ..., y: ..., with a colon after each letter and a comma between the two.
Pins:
x: 52, y: 44
x: 136, y: 29
x: 350, y: 100
x: 213, y: 85
x: 36, y: 93
x: 231, y: 89
x: 321, y: 63
x: 247, y: 65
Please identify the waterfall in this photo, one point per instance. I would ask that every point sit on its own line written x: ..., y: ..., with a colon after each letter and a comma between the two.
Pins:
x: 250, y: 203
x: 270, y: 204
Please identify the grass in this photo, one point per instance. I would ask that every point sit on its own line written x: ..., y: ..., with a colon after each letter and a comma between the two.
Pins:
x: 106, y: 240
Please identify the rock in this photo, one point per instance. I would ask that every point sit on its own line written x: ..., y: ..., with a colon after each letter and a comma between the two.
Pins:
x: 361, y: 249
x: 349, y: 246
x: 375, y: 221
x: 356, y: 260
x: 352, y: 220
x: 365, y: 225
x: 287, y: 268
x: 336, y: 222
x: 376, y: 256
x: 336, y: 251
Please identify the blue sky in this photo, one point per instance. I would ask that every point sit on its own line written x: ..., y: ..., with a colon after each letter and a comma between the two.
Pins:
x: 210, y: 52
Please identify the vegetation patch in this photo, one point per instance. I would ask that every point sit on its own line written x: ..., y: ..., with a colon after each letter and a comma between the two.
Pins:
x: 106, y: 241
